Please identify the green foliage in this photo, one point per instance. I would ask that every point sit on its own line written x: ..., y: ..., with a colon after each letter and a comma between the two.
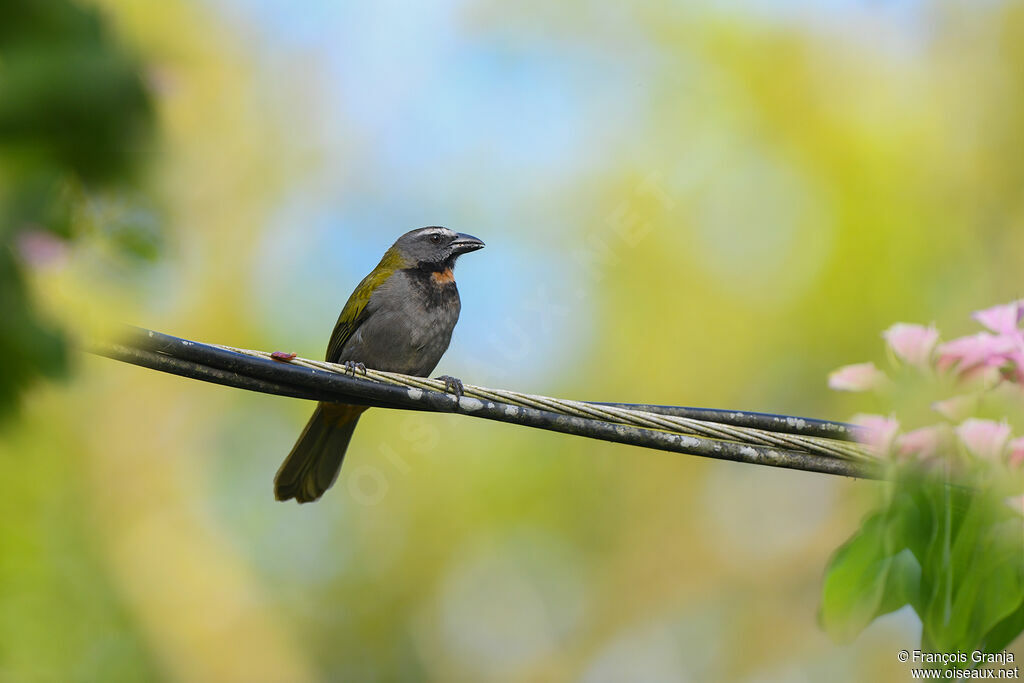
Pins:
x: 74, y: 118
x: 70, y: 99
x: 29, y: 345
x: 955, y: 553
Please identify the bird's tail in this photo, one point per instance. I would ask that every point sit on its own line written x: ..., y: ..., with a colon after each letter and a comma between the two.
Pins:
x: 313, y: 465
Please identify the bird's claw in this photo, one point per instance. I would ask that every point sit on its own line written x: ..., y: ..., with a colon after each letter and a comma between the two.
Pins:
x: 351, y: 366
x: 452, y: 385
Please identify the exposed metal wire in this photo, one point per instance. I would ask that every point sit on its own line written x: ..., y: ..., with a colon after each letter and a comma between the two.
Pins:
x: 776, y: 440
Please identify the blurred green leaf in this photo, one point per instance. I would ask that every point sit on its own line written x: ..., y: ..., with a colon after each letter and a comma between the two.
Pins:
x: 71, y: 99
x: 29, y: 347
x: 1005, y: 632
x: 74, y: 114
x: 976, y: 571
x: 857, y: 580
x: 878, y: 571
x: 955, y: 553
x: 73, y: 107
x: 903, y: 584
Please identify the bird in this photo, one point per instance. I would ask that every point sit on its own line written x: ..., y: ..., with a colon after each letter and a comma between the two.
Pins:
x: 400, y: 318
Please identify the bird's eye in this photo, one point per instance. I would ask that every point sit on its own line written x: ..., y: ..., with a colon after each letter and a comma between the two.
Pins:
x: 435, y: 238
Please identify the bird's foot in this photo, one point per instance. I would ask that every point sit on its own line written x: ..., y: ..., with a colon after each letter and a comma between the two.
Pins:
x: 283, y: 356
x: 351, y: 366
x: 452, y: 385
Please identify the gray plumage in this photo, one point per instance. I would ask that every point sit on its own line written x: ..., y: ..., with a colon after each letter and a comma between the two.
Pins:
x: 400, y: 318
x: 409, y: 325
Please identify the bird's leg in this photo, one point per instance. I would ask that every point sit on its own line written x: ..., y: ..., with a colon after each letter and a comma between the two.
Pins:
x: 452, y: 385
x: 351, y: 366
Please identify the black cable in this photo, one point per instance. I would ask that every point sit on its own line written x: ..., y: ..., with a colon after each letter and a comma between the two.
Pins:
x: 212, y: 364
x: 770, y: 422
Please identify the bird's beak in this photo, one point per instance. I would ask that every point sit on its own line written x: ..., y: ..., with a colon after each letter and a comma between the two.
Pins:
x: 463, y: 243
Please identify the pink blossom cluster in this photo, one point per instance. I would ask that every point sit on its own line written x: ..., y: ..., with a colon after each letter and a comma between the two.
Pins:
x: 993, y: 357
x: 984, y: 439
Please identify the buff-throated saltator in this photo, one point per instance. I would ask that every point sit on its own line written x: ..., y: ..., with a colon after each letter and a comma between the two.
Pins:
x: 399, y: 319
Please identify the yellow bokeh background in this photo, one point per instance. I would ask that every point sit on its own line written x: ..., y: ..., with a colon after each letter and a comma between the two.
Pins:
x: 786, y: 184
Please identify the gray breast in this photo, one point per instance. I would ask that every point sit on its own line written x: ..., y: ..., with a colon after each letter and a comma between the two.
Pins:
x: 409, y: 324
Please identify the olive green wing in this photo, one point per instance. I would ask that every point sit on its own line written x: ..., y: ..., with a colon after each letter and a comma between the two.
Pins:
x: 356, y: 310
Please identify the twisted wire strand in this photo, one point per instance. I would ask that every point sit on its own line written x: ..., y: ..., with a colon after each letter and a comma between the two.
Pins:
x: 705, y: 432
x: 680, y: 425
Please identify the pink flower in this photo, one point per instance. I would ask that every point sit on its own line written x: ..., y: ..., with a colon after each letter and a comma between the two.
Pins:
x: 975, y: 352
x: 879, y: 432
x: 1002, y: 319
x: 984, y: 438
x: 913, y: 344
x: 988, y: 354
x: 1016, y: 457
x: 924, y: 443
x: 40, y: 248
x: 859, y: 377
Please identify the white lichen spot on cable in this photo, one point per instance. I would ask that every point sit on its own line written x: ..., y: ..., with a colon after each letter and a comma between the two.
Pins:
x: 470, y: 404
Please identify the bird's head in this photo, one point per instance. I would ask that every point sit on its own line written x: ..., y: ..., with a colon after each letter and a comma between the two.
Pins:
x: 433, y: 248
